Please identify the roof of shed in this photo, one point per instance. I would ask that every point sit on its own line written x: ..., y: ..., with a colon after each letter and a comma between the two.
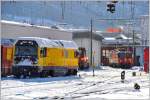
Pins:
x: 87, y: 34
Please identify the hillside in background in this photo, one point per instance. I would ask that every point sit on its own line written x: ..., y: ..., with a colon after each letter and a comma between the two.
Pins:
x: 75, y: 14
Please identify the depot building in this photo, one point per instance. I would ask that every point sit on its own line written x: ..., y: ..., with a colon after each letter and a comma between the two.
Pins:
x: 83, y: 39
x: 13, y: 30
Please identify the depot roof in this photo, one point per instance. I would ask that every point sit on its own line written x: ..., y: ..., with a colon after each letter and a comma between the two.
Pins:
x: 87, y: 34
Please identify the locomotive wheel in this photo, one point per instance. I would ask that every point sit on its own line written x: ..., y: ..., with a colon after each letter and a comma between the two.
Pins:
x: 34, y: 74
x: 52, y: 73
x: 17, y: 76
x: 81, y: 67
x: 22, y: 76
x: 29, y: 74
x: 44, y: 74
x: 74, y: 72
x: 68, y: 72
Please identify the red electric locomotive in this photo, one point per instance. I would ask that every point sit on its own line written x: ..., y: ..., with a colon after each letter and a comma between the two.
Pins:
x: 83, y: 59
x: 125, y: 59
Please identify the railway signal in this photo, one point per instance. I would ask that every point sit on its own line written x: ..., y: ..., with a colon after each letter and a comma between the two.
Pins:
x: 133, y: 73
x: 122, y: 76
x: 136, y: 86
x: 111, y: 6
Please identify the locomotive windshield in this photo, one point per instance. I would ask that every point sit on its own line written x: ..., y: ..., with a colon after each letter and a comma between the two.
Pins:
x: 121, y: 54
x: 26, y: 48
x: 25, y: 51
x: 82, y: 51
x: 125, y: 54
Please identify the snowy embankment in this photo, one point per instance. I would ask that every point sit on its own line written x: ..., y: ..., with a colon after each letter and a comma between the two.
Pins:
x: 106, y: 84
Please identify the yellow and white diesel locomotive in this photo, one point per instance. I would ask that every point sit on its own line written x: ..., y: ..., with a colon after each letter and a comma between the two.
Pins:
x: 34, y: 56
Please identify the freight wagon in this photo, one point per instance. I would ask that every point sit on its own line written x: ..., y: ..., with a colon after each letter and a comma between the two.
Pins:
x: 34, y: 56
x: 125, y: 59
x: 83, y: 59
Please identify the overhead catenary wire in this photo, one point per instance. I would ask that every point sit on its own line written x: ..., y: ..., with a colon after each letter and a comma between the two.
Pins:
x: 62, y: 9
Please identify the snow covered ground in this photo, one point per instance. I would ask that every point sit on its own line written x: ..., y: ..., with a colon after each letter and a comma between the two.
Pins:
x: 106, y: 84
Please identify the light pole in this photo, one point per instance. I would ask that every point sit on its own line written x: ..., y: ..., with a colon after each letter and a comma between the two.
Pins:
x: 91, y: 37
x: 133, y: 48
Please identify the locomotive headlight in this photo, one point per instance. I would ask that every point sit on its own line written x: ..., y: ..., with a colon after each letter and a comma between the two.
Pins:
x: 35, y: 62
x: 87, y: 58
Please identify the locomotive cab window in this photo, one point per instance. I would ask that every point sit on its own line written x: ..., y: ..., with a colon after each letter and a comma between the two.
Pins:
x: 76, y: 53
x: 82, y: 51
x: 43, y: 52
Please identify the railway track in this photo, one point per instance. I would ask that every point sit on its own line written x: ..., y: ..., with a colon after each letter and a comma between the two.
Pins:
x: 25, y: 85
x: 78, y: 87
x: 98, y: 84
x: 28, y: 85
x: 81, y: 85
x: 91, y: 85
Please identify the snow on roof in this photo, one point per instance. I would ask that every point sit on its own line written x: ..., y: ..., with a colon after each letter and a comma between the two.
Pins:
x: 42, y: 42
x: 6, y: 42
x: 123, y: 36
x: 24, y: 24
x: 15, y: 23
x: 67, y: 44
x: 74, y: 29
x: 30, y: 25
x: 109, y: 38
